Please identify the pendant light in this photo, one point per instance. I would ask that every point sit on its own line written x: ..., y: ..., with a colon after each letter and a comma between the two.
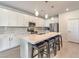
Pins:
x: 36, y: 12
x: 46, y: 16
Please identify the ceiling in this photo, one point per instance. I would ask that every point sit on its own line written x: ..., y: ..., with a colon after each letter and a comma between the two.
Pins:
x: 51, y: 8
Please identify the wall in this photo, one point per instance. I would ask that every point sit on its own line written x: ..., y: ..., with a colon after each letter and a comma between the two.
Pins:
x: 63, y: 22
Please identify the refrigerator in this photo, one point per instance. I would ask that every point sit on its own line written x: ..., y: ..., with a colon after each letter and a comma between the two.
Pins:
x: 54, y: 27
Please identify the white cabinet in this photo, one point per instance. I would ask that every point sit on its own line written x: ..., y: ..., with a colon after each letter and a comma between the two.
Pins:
x: 8, y: 41
x: 3, y: 17
x: 16, y: 19
x: 20, y: 19
x: 26, y: 20
x: 7, y: 18
x: 13, y: 41
x: 12, y: 19
x: 47, y: 22
x: 4, y: 43
x: 32, y: 19
x: 39, y: 22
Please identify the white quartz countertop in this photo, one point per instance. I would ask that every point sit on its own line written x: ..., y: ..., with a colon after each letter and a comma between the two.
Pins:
x: 35, y: 38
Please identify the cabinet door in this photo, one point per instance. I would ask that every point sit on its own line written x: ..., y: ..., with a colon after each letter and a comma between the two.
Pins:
x: 14, y: 42
x: 26, y: 20
x: 3, y: 17
x: 20, y: 19
x: 1, y: 47
x: 4, y: 43
x: 39, y: 22
x: 12, y: 19
x: 47, y: 22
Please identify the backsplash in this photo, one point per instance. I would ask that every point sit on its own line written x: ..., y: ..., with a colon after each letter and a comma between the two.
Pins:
x: 19, y: 30
x: 15, y: 30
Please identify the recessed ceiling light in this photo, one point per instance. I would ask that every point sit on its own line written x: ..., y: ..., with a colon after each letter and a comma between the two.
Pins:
x: 67, y: 9
x: 46, y: 16
x: 46, y: 1
x: 52, y: 6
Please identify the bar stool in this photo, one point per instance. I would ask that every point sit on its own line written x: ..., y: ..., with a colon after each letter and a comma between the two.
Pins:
x: 41, y: 48
x: 52, y: 44
x: 58, y: 40
x: 61, y: 43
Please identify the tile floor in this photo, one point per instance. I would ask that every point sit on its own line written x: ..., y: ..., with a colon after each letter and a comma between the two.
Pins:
x: 69, y: 50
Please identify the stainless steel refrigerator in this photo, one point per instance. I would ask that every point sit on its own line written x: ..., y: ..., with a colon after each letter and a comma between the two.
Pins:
x: 54, y: 27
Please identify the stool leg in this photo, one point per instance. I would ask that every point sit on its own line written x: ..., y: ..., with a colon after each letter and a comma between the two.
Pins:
x: 58, y: 43
x: 42, y: 51
x: 48, y: 50
x: 32, y: 52
x: 54, y: 47
x: 61, y: 42
x: 39, y: 55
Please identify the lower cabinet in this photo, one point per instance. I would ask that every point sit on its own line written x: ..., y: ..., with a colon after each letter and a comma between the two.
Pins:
x: 13, y: 42
x: 8, y: 42
x: 4, y: 43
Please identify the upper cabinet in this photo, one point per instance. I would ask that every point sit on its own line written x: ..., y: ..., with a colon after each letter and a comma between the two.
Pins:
x: 3, y: 17
x: 15, y: 19
x: 12, y: 18
x: 39, y: 22
x: 26, y: 20
x: 20, y: 19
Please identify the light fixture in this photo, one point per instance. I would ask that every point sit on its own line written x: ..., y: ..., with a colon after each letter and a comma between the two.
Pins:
x: 52, y: 18
x: 52, y: 6
x: 5, y: 10
x: 46, y: 16
x: 46, y: 1
x: 67, y: 9
x: 36, y: 12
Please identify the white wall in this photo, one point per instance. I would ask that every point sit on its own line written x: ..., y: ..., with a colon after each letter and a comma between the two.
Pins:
x: 63, y: 22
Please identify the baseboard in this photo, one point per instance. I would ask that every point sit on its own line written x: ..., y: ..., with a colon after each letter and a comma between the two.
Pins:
x: 73, y: 42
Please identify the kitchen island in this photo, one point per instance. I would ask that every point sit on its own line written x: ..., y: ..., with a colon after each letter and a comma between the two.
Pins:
x: 27, y: 40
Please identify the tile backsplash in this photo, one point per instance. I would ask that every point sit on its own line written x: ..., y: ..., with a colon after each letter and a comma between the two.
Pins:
x: 19, y: 30
x: 16, y: 30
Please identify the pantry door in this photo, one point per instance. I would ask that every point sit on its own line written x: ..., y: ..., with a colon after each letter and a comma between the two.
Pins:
x: 73, y: 30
